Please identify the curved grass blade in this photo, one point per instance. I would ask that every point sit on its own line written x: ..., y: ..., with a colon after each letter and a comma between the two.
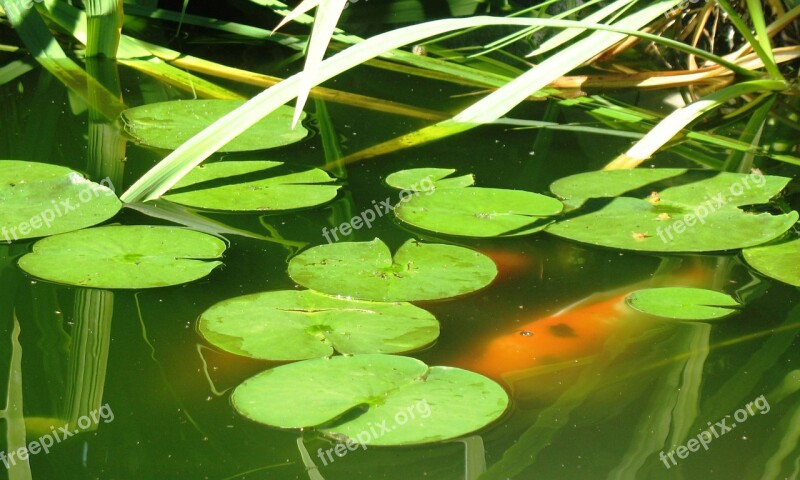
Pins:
x: 328, y: 12
x: 566, y: 35
x: 677, y: 120
x: 176, y: 165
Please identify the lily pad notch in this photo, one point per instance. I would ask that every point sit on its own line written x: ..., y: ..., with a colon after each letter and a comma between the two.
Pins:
x: 346, y: 397
x: 368, y: 271
x: 452, y: 206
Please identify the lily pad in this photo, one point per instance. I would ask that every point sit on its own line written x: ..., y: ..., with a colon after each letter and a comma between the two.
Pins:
x: 38, y: 200
x: 253, y: 186
x: 683, y: 303
x: 608, y: 184
x: 170, y: 124
x: 367, y: 271
x: 479, y: 212
x: 117, y: 256
x: 424, y: 179
x: 697, y: 211
x: 372, y: 399
x: 295, y: 325
x: 780, y: 261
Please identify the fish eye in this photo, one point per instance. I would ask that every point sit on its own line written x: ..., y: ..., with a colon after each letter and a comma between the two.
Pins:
x: 526, y: 333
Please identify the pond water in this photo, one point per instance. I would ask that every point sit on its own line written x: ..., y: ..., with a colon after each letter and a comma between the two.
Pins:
x: 634, y: 399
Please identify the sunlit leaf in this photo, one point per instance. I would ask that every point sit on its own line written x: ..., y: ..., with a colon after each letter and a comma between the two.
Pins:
x: 170, y: 124
x: 697, y: 211
x: 780, y: 261
x: 295, y: 325
x: 345, y: 396
x: 367, y: 271
x: 253, y: 186
x: 478, y: 212
x: 118, y: 256
x: 37, y: 200
x: 422, y: 179
x: 683, y: 303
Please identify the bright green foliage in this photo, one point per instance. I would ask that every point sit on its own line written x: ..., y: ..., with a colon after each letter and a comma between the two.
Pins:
x: 345, y: 396
x: 479, y: 212
x: 683, y: 303
x: 124, y: 257
x: 295, y: 325
x: 780, y: 261
x: 697, y: 211
x: 38, y: 199
x: 170, y: 124
x: 421, y: 179
x: 367, y: 271
x: 253, y: 186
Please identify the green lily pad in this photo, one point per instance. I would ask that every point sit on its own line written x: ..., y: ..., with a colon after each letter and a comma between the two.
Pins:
x: 253, y: 186
x: 424, y: 179
x: 699, y: 212
x: 781, y: 261
x: 479, y: 212
x: 38, y: 200
x: 609, y: 184
x: 295, y: 325
x: 683, y: 303
x: 116, y: 256
x: 367, y: 271
x: 170, y: 124
x: 372, y: 399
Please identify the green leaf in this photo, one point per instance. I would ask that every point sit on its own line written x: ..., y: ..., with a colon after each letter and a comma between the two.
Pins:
x: 117, y: 256
x: 38, y: 200
x: 253, y: 186
x: 170, y: 124
x: 683, y: 303
x: 295, y: 325
x: 424, y: 179
x: 349, y: 397
x: 367, y: 271
x: 478, y: 212
x: 780, y: 261
x: 578, y: 188
x: 698, y: 213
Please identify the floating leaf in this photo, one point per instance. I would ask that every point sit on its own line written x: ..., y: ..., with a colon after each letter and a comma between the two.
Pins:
x: 372, y: 399
x: 684, y: 303
x: 366, y: 270
x: 780, y: 261
x: 697, y: 211
x: 478, y: 212
x: 38, y: 200
x: 295, y: 325
x: 609, y: 184
x: 170, y: 124
x: 422, y: 179
x: 253, y: 186
x: 116, y: 256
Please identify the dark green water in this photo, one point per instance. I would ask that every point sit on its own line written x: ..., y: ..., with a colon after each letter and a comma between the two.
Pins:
x: 168, y: 390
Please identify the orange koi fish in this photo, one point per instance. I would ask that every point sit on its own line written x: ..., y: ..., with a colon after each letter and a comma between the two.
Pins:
x: 512, y: 265
x: 580, y: 330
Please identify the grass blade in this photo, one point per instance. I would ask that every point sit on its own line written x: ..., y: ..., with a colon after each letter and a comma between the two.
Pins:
x: 104, y: 27
x: 328, y: 12
x: 506, y: 98
x: 680, y: 118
